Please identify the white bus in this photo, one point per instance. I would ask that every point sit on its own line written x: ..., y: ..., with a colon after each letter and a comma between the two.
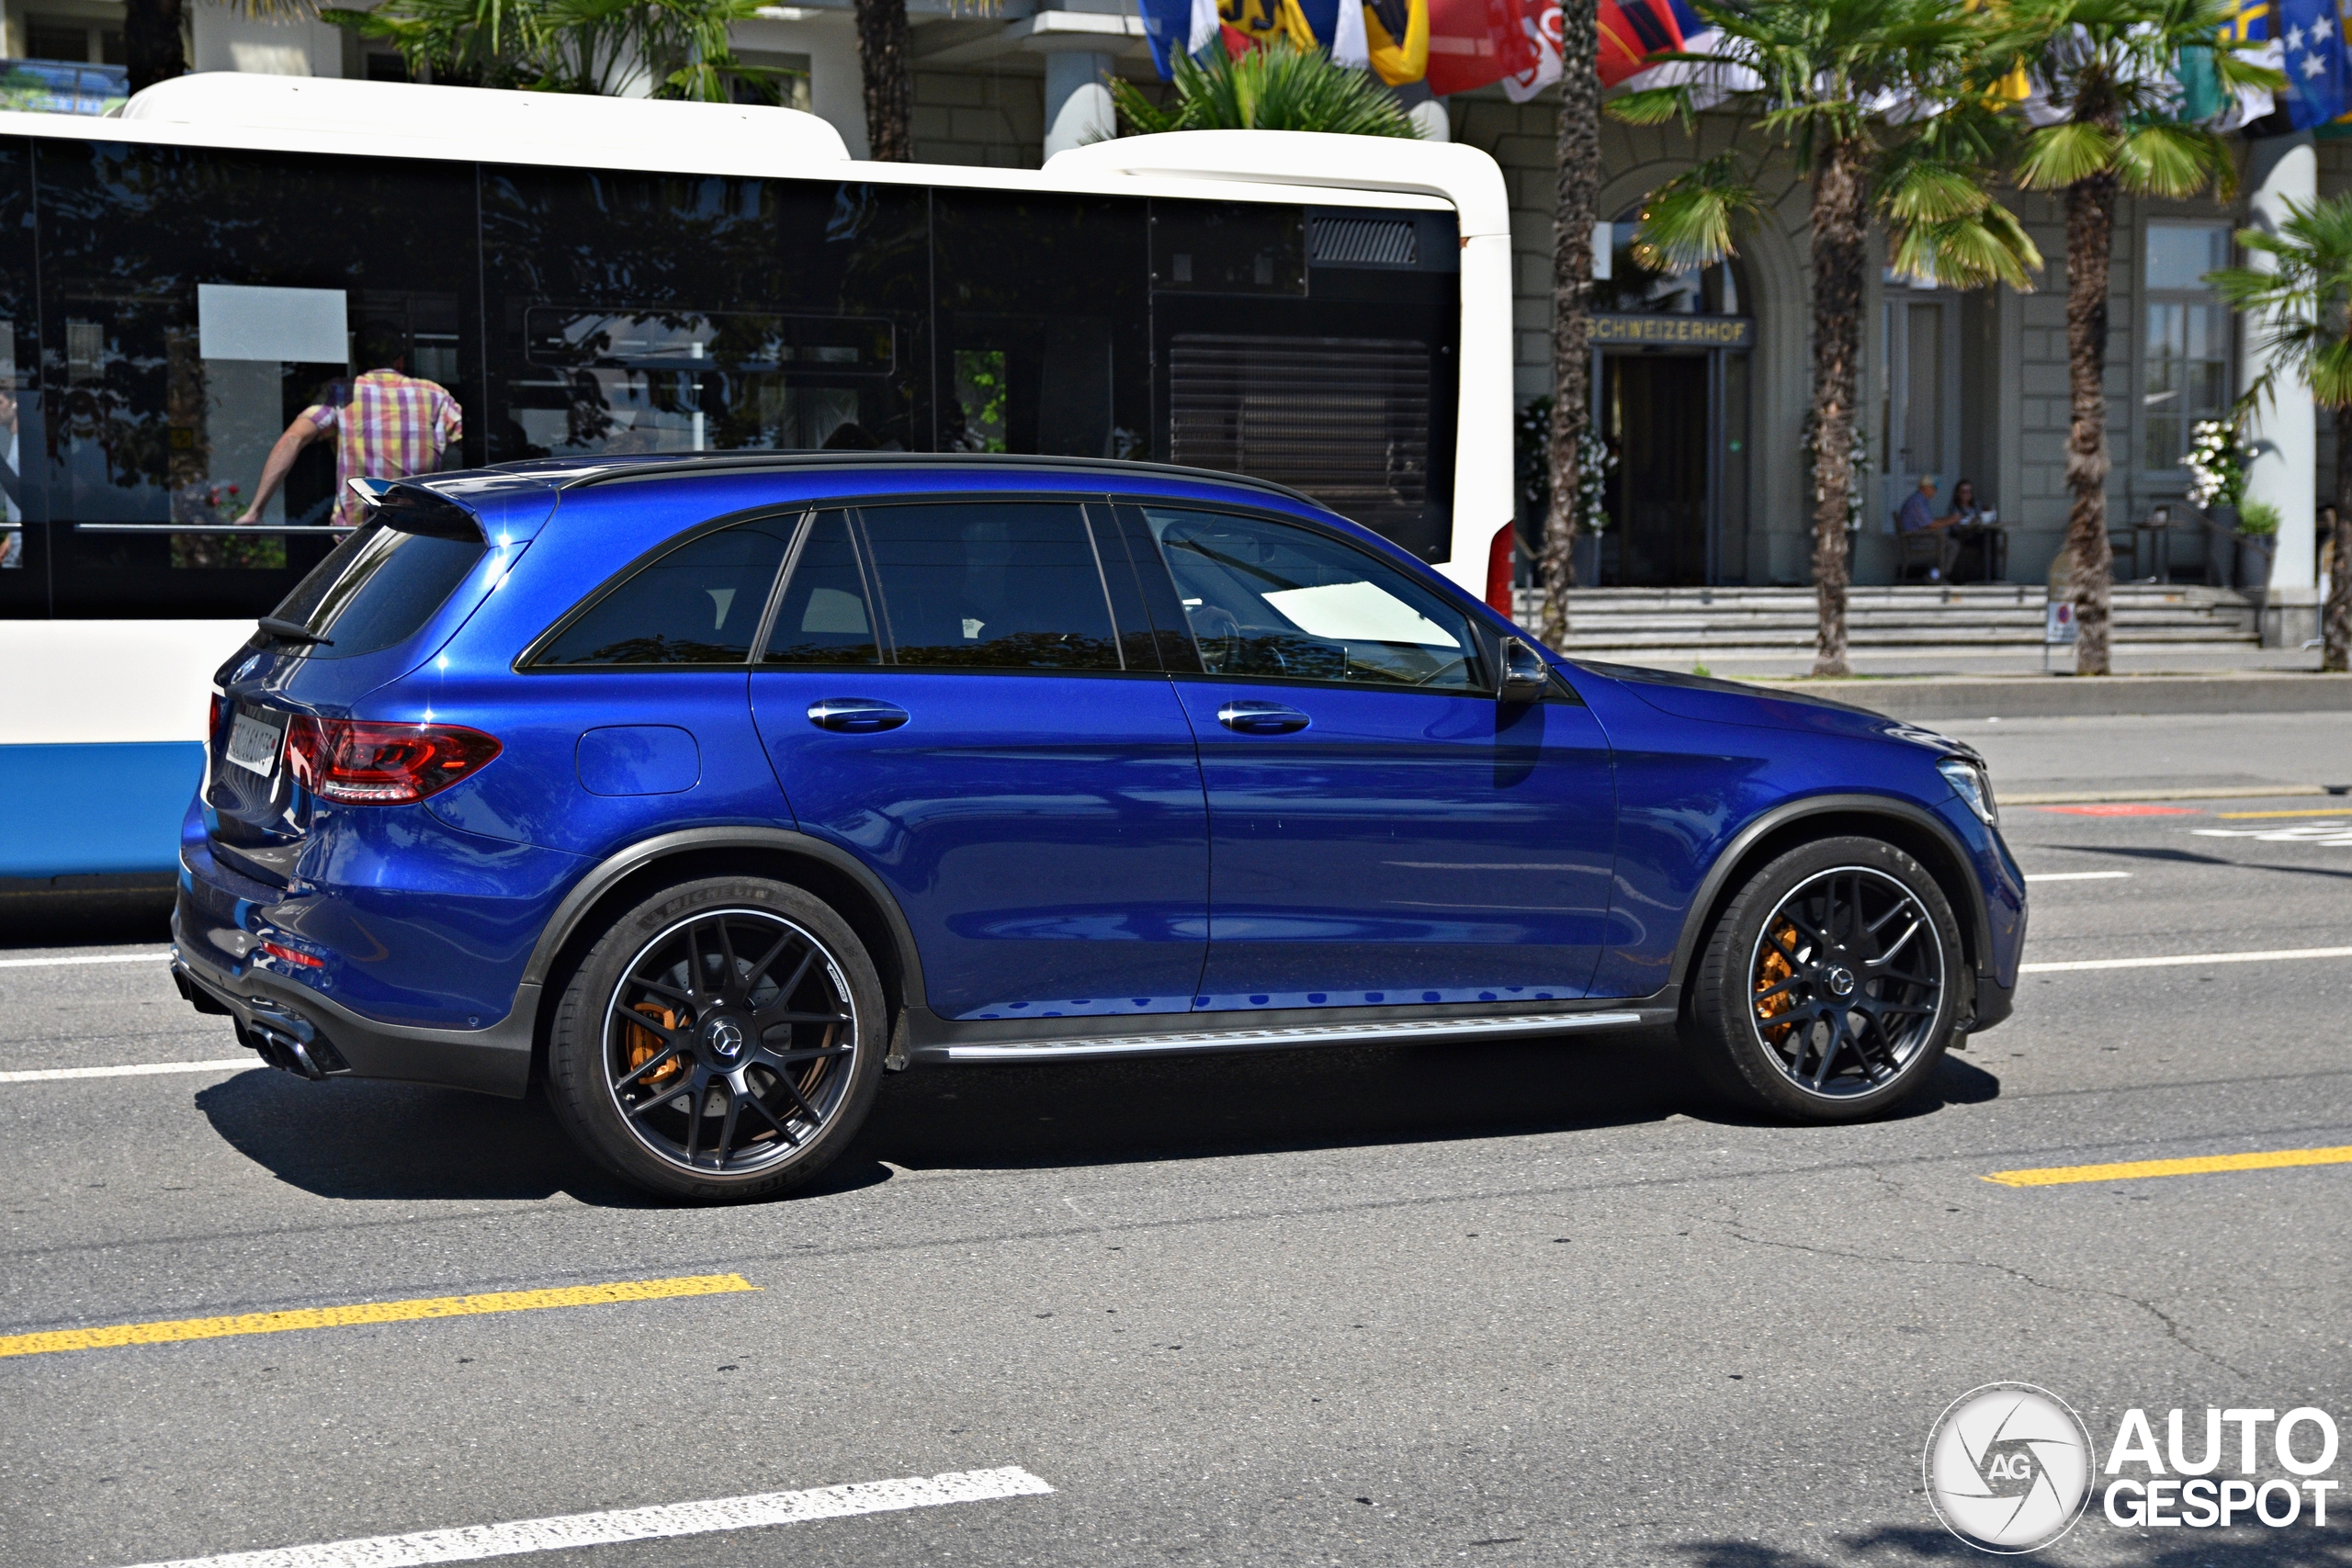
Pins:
x: 595, y: 274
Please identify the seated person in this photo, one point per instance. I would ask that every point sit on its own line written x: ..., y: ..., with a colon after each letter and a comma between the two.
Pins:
x: 1967, y: 523
x: 1918, y: 516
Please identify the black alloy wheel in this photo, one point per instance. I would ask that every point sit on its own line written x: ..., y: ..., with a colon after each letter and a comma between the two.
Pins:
x: 1827, y: 988
x: 1848, y: 981
x: 733, y: 1045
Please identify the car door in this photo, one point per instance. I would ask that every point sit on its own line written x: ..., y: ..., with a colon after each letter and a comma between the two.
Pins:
x: 953, y: 693
x: 1383, y: 830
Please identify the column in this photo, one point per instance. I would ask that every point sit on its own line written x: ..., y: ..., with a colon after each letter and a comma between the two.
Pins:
x: 2282, y: 431
x: 1078, y: 100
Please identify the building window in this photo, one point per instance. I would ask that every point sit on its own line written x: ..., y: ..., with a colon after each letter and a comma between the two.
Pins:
x: 2184, y: 359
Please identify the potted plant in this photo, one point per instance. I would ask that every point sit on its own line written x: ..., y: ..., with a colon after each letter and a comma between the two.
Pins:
x: 2216, y: 464
x: 2258, y: 530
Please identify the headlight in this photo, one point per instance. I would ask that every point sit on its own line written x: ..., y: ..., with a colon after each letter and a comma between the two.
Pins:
x: 1970, y: 783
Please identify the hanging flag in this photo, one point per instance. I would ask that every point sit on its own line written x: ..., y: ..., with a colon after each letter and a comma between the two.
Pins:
x: 1476, y: 42
x: 1167, y: 29
x: 1397, y: 34
x: 1539, y: 20
x: 1630, y: 31
x: 1258, y: 22
x: 2315, y: 62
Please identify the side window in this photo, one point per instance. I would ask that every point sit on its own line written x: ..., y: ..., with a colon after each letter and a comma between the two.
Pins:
x: 824, y: 616
x: 699, y: 603
x: 1272, y: 599
x: 998, y: 585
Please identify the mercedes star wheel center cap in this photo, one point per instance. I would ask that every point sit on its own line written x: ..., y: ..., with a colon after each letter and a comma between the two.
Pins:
x: 724, y: 1036
x: 1841, y: 982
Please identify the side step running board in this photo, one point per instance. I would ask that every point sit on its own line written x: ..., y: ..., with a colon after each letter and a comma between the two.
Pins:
x: 1257, y: 1039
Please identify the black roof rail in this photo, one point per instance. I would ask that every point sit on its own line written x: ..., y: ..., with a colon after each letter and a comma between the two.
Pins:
x: 579, y: 474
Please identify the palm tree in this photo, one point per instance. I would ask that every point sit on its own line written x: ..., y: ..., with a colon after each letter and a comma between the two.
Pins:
x: 1816, y: 79
x: 885, y: 57
x: 2300, y: 311
x: 1276, y: 86
x: 2107, y: 65
x: 1577, y: 152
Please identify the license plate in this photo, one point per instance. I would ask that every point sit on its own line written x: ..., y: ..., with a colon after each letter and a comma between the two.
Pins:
x: 254, y: 745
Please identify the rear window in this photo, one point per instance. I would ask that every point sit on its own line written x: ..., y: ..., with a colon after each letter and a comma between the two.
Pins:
x: 699, y: 603
x: 1006, y: 585
x: 377, y: 587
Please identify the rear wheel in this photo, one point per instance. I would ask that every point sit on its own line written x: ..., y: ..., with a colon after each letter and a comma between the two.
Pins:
x: 1829, y: 988
x: 720, y: 1041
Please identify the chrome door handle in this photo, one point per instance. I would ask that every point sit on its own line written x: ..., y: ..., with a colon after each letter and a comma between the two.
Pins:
x: 855, y: 715
x: 1261, y: 718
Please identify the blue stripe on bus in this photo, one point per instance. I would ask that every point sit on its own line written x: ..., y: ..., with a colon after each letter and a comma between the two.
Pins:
x: 87, y: 810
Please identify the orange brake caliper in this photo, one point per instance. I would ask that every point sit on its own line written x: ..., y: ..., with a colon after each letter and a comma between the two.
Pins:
x: 1770, y: 973
x: 643, y: 1046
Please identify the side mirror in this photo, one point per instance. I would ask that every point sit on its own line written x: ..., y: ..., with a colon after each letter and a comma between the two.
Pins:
x: 1525, y: 677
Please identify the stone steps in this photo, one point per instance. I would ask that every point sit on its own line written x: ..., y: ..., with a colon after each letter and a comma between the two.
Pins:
x: 1964, y: 617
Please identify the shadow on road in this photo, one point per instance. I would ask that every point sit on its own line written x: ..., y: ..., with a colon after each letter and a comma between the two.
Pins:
x: 349, y: 1139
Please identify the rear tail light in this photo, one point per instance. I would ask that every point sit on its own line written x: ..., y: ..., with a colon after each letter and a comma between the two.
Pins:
x: 359, y: 764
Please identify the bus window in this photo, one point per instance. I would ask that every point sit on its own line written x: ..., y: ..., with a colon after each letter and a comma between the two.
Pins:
x: 691, y: 313
x: 193, y: 305
x: 1043, y: 305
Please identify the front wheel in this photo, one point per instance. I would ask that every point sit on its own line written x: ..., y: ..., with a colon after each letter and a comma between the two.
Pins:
x: 720, y: 1041
x: 1829, y: 988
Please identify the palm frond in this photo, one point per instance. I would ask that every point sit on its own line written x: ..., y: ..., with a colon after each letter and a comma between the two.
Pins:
x: 1280, y: 87
x: 2172, y: 160
x: 1652, y: 105
x: 1689, y: 220
x: 2057, y: 155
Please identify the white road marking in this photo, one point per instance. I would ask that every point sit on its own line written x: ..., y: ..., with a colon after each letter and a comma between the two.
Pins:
x: 565, y: 1531
x: 130, y: 1070
x: 2076, y: 876
x: 2184, y: 958
x: 95, y: 958
x: 2302, y: 833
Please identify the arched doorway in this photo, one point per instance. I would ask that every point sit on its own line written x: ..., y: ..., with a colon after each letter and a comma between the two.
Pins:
x: 1671, y: 373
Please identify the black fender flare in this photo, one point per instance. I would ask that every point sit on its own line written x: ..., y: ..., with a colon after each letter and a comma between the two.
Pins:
x: 617, y: 867
x: 1712, y: 887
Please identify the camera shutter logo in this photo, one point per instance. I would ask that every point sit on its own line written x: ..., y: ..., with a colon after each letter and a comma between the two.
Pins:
x: 2008, y: 1466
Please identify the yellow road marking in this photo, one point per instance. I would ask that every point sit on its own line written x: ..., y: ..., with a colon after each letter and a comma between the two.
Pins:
x: 367, y: 1312
x: 2246, y: 816
x: 2132, y: 1170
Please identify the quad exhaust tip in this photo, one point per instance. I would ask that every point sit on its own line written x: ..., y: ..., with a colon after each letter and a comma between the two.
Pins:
x: 282, y: 1037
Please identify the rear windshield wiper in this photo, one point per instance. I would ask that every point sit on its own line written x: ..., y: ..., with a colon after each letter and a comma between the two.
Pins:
x: 292, y: 631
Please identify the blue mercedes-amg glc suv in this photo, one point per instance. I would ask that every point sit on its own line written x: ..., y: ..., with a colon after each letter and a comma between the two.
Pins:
x: 701, y: 791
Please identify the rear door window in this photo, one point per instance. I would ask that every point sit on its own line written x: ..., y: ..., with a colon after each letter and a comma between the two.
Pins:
x: 700, y: 602
x: 991, y: 585
x: 825, y: 617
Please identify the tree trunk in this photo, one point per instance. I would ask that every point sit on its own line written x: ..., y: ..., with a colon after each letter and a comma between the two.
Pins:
x: 883, y: 51
x: 150, y: 41
x: 2335, y: 616
x: 1578, y: 152
x: 1840, y: 262
x: 2090, y: 233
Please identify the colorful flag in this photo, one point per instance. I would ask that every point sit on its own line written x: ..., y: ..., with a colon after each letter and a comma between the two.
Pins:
x: 1397, y: 34
x: 1632, y: 30
x: 1474, y: 42
x: 1178, y: 27
x: 1540, y: 21
x: 2315, y: 62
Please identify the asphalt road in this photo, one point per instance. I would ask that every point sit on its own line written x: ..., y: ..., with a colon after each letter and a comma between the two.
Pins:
x: 1507, y: 1304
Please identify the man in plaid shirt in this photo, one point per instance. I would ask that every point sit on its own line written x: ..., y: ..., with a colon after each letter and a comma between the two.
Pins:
x: 386, y: 425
